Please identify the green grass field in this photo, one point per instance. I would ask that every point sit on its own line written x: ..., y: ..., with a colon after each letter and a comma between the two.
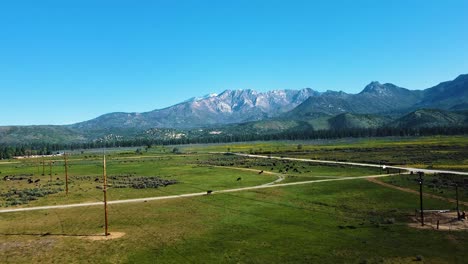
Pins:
x: 193, y: 172
x: 352, y: 221
x: 328, y: 222
x: 442, y: 185
x: 438, y: 152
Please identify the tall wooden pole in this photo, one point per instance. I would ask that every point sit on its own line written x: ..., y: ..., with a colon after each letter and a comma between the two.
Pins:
x: 458, y: 208
x: 43, y: 167
x: 50, y: 170
x: 421, y: 197
x: 105, y: 197
x: 66, y: 173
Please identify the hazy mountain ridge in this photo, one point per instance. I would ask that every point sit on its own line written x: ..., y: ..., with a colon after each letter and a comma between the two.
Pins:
x: 230, y: 106
x: 374, y: 98
x: 418, y: 119
x: 249, y: 111
x: 447, y: 95
x: 431, y: 118
x: 39, y: 134
x: 236, y: 106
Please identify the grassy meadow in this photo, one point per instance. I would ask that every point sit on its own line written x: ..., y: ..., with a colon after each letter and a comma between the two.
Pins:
x: 352, y: 221
x: 436, y: 152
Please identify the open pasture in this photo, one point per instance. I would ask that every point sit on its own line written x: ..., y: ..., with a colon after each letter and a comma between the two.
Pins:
x: 436, y: 152
x: 351, y: 221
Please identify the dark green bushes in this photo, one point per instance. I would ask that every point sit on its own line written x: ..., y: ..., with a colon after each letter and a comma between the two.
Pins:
x: 18, y: 197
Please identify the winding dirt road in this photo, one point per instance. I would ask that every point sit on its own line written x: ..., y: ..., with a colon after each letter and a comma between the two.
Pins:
x: 353, y: 164
x: 268, y: 185
x: 140, y: 200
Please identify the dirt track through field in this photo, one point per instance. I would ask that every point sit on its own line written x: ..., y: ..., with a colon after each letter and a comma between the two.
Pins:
x: 409, y: 169
x: 263, y: 186
x: 379, y: 182
x: 280, y: 176
x: 267, y: 185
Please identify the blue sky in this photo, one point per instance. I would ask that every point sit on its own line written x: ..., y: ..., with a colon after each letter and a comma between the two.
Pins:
x: 67, y: 61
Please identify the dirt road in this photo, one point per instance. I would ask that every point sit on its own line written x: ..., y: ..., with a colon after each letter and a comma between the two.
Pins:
x: 269, y: 185
x: 354, y: 164
x: 263, y: 186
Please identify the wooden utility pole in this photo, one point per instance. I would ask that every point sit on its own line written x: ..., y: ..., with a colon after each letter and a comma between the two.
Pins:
x: 66, y: 173
x: 458, y: 208
x: 50, y: 170
x: 421, y: 196
x: 104, y: 189
x: 43, y: 167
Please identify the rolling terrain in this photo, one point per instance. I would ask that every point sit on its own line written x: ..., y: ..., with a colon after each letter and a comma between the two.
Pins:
x: 315, y: 214
x: 242, y: 112
x: 227, y: 107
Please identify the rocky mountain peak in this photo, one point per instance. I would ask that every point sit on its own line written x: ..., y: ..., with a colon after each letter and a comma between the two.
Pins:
x: 234, y: 106
x: 373, y: 87
x: 376, y: 88
x: 462, y: 77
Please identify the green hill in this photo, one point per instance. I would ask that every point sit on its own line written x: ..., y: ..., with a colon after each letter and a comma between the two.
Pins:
x: 348, y: 120
x: 39, y: 134
x: 431, y: 118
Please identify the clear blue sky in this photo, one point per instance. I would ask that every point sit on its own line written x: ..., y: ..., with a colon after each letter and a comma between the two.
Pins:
x: 67, y: 61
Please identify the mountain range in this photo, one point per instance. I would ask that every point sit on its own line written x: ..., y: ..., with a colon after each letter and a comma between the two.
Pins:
x: 226, y: 108
x: 249, y: 111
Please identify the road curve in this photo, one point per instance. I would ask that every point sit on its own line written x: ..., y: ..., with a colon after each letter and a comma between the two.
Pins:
x: 138, y: 200
x: 280, y: 176
x: 244, y: 188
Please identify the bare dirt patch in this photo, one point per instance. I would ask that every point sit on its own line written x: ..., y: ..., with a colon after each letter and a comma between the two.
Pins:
x: 100, y: 237
x: 447, y: 221
x: 443, y: 221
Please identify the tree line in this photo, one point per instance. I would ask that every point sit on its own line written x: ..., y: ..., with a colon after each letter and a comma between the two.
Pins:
x: 9, y: 151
